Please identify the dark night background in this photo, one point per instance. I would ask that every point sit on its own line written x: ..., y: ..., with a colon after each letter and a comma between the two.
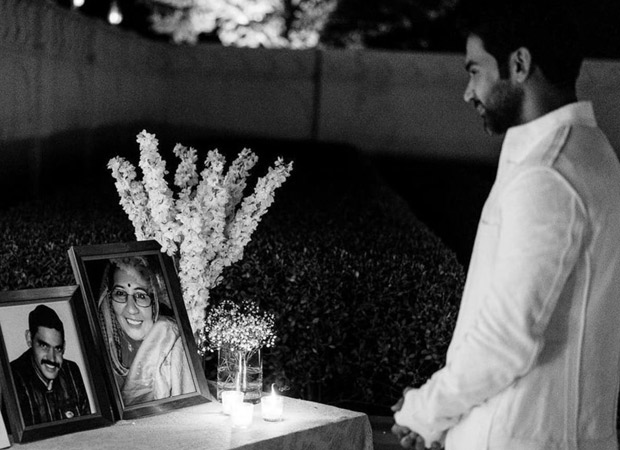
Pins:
x: 393, y: 24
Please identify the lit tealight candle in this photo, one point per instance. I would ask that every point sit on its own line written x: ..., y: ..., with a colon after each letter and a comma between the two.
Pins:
x: 272, y: 406
x: 242, y: 414
x: 230, y: 399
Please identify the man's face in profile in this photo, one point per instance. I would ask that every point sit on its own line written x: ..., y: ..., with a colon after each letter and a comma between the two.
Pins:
x: 47, y: 347
x: 498, y: 101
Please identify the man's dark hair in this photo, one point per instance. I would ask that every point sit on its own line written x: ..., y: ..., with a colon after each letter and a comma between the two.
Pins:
x: 44, y: 316
x: 549, y: 29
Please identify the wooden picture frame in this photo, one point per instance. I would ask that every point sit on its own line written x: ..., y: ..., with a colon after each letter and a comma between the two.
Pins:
x: 59, y: 351
x: 171, y: 352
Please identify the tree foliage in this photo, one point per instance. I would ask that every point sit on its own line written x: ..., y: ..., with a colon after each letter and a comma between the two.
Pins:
x: 392, y: 24
x: 243, y: 23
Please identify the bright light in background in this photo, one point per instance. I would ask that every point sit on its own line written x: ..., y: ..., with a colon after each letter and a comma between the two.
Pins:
x: 114, y: 16
x: 77, y: 3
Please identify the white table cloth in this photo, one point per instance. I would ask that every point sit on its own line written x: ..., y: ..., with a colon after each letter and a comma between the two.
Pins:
x: 305, y: 425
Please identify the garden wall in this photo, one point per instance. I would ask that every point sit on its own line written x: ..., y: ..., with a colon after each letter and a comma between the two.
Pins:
x: 74, y: 88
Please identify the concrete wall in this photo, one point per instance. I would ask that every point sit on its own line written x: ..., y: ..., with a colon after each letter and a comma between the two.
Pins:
x: 405, y: 103
x: 243, y: 92
x: 412, y: 103
x: 72, y: 88
x: 61, y: 71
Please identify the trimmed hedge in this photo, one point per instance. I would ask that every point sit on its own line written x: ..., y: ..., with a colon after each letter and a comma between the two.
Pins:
x: 365, y: 295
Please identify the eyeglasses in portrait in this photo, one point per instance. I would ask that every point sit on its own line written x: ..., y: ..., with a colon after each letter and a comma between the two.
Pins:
x: 134, y: 300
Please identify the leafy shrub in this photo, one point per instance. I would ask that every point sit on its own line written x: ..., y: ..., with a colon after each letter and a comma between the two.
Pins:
x: 365, y: 295
x: 35, y: 235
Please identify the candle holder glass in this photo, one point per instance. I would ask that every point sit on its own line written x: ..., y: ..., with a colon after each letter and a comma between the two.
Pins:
x: 230, y: 399
x: 272, y: 408
x: 242, y: 414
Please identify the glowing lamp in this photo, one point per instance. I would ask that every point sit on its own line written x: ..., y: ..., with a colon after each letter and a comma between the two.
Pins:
x: 115, y: 16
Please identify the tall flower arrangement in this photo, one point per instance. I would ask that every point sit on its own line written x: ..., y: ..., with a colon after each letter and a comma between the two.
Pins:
x: 205, y: 221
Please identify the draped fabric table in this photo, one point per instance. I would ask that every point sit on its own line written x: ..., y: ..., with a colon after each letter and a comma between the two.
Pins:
x: 305, y: 425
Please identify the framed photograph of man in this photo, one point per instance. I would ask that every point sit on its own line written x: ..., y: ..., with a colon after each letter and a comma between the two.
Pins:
x: 52, y: 381
x: 135, y: 304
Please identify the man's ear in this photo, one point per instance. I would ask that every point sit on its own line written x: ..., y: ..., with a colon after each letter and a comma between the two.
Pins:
x: 28, y: 338
x: 520, y: 64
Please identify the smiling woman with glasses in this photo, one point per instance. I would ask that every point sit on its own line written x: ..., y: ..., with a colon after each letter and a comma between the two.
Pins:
x: 145, y: 346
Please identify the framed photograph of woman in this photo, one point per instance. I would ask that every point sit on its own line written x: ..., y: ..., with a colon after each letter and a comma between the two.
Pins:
x: 52, y: 381
x: 136, y: 308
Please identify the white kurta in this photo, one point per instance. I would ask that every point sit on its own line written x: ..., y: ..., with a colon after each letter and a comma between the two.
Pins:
x: 534, y: 360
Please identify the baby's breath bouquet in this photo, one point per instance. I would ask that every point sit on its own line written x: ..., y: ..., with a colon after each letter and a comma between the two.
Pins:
x: 204, y: 220
x: 242, y: 327
x: 238, y: 332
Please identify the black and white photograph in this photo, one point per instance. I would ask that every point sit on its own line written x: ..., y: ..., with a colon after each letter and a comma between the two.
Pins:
x: 326, y: 224
x: 52, y: 384
x: 133, y: 296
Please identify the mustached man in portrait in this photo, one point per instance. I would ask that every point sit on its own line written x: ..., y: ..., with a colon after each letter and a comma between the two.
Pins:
x: 49, y: 387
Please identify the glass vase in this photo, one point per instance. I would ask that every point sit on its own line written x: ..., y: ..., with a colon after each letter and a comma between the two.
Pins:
x: 239, y: 370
